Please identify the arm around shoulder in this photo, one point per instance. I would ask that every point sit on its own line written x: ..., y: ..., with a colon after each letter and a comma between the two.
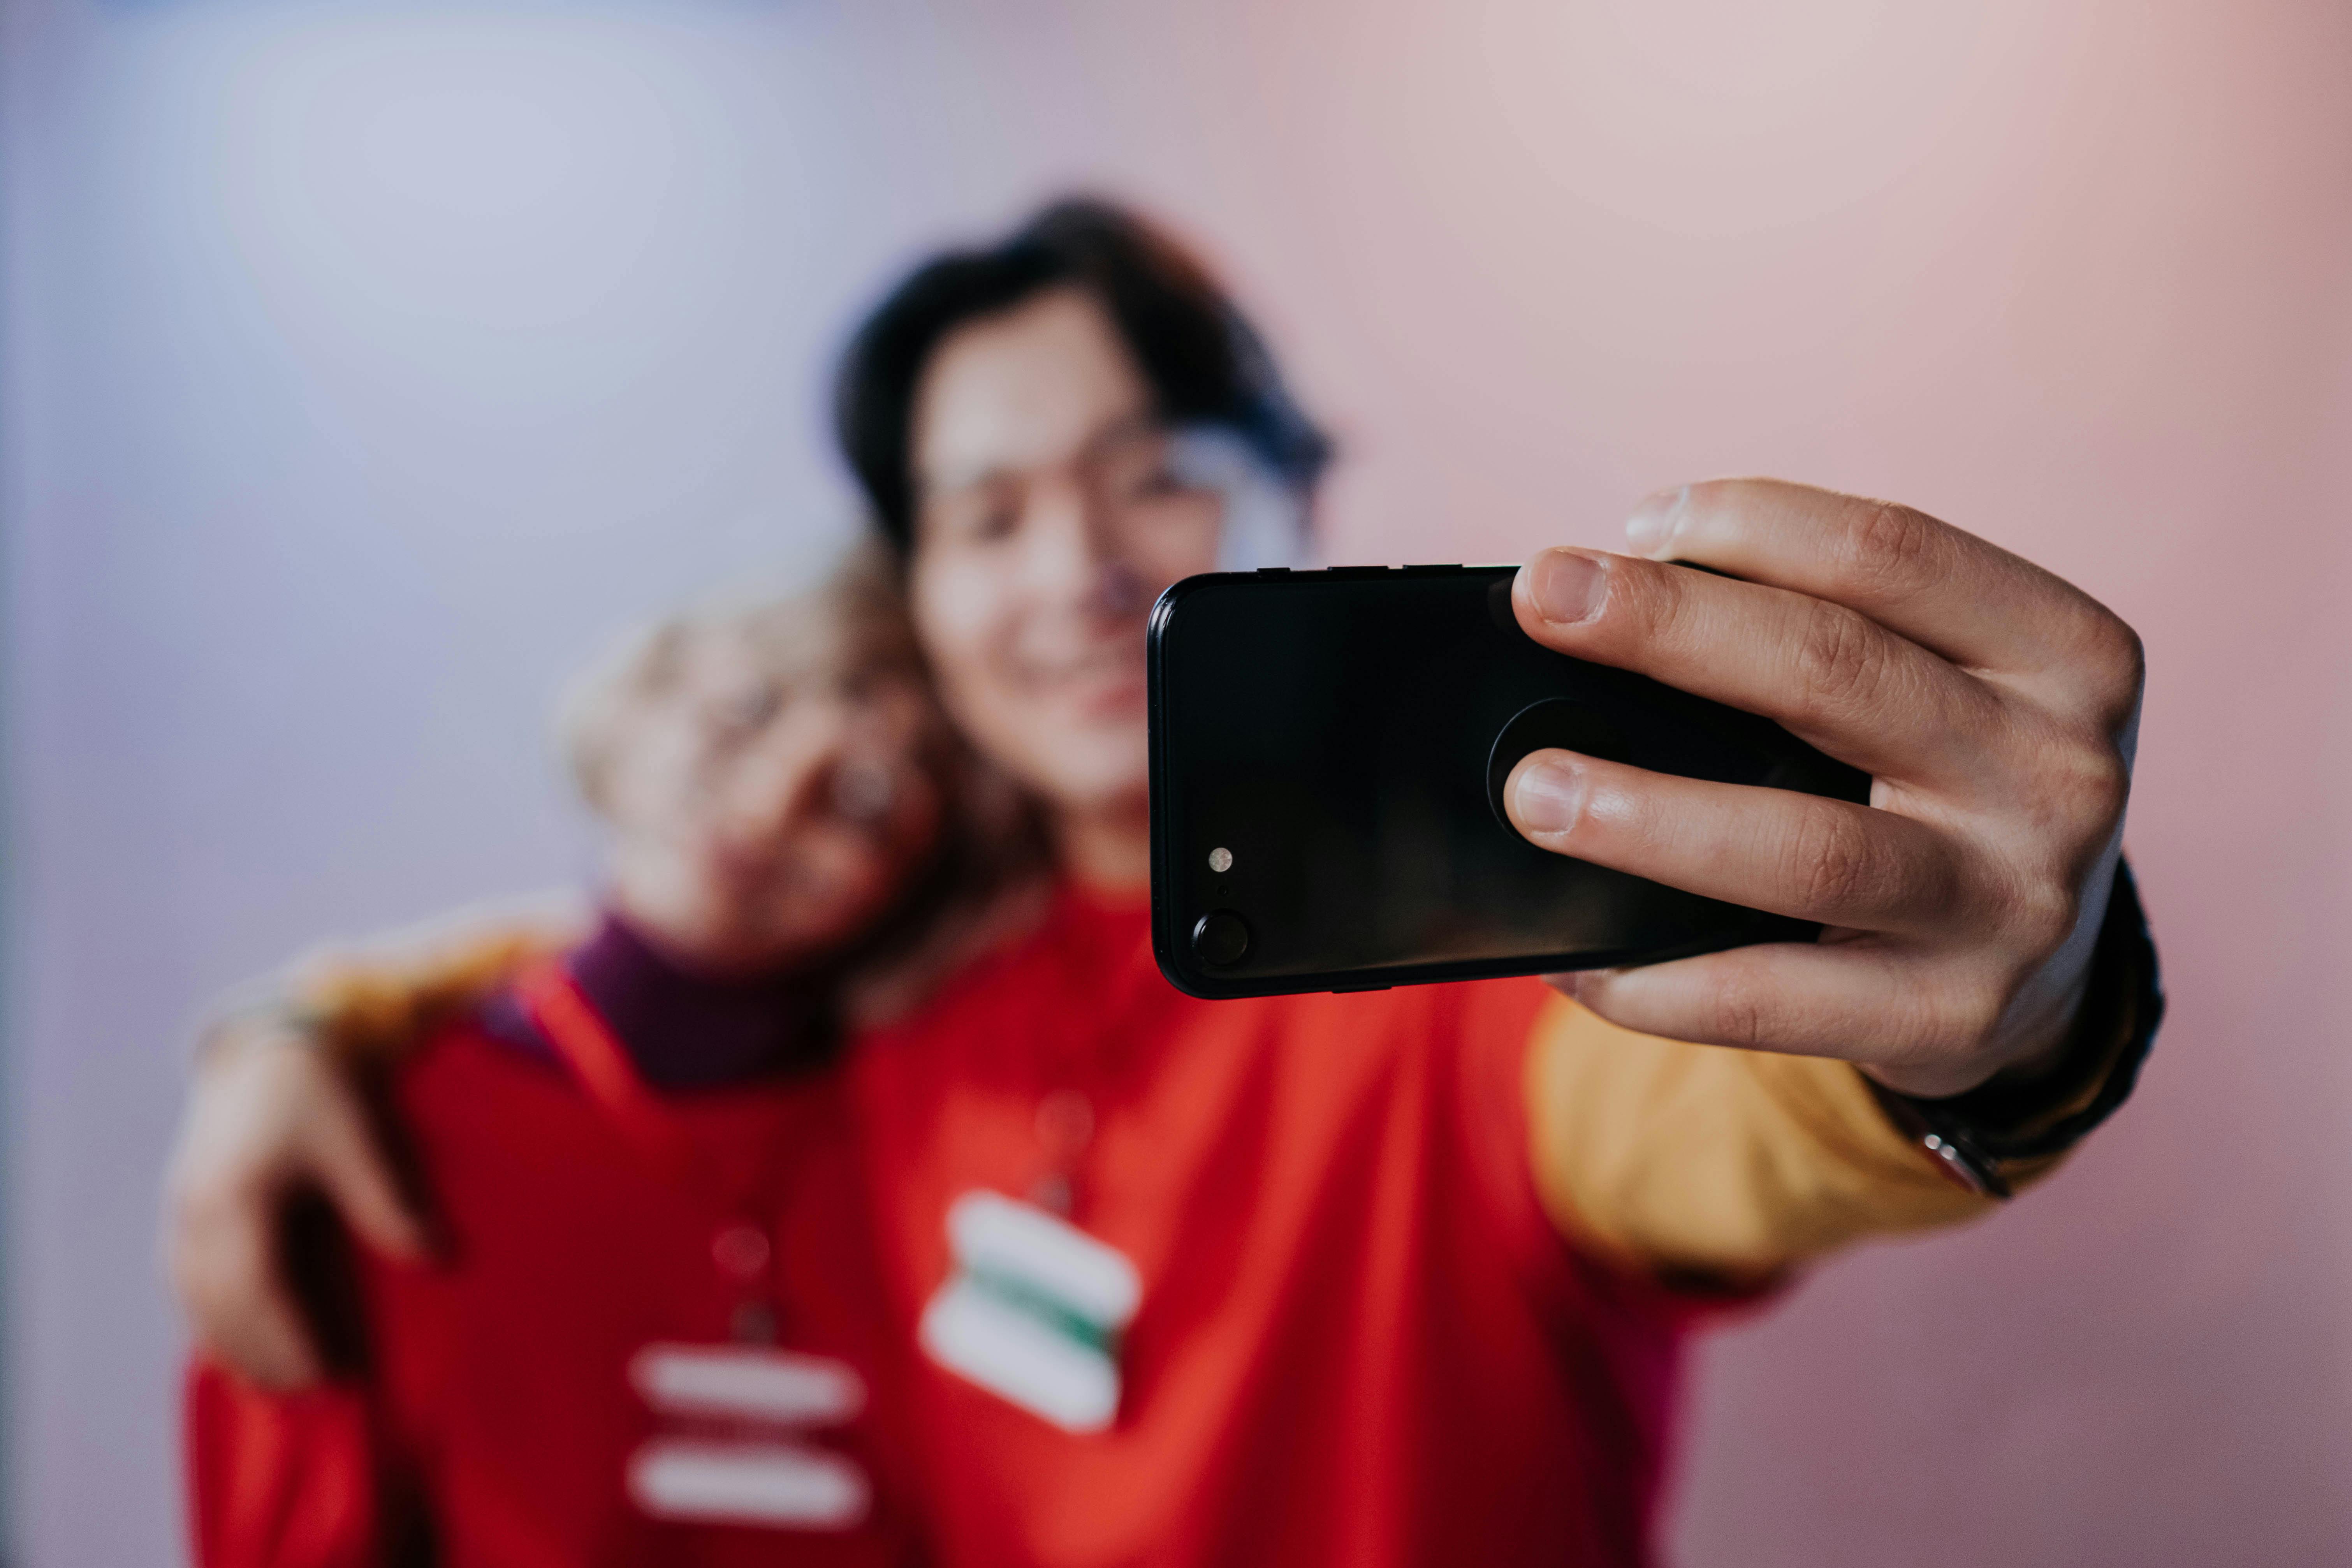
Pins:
x: 376, y: 1000
x: 277, y: 1105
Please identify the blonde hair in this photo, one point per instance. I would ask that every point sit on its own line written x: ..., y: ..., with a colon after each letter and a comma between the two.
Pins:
x: 852, y: 622
x: 989, y: 876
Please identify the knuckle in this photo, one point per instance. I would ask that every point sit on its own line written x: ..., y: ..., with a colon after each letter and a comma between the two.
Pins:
x: 1741, y: 1010
x: 1835, y: 867
x: 1644, y: 599
x: 2043, y: 915
x: 2117, y: 659
x: 2105, y: 785
x: 1840, y: 657
x: 1890, y: 542
x: 2086, y: 786
x: 2050, y: 921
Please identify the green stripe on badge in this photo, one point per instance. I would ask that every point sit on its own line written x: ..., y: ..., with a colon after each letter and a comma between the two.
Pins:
x: 1048, y: 1309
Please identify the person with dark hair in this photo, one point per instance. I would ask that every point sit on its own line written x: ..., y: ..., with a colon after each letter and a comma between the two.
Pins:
x: 1407, y: 1275
x: 1204, y: 363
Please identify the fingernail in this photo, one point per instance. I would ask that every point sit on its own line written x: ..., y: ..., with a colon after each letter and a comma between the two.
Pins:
x: 1652, y: 528
x: 1549, y: 795
x: 1566, y: 585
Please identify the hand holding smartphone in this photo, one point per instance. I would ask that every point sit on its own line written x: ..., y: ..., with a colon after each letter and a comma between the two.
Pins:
x: 1329, y: 752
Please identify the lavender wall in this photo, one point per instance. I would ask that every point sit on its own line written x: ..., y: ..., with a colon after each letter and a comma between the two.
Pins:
x: 366, y: 364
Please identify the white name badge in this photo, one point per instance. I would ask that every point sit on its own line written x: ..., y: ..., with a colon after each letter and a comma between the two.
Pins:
x: 761, y: 1473
x: 749, y: 1383
x: 1033, y: 1311
x: 780, y: 1485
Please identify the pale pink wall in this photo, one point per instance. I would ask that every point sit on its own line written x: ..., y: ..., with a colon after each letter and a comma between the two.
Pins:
x: 369, y: 363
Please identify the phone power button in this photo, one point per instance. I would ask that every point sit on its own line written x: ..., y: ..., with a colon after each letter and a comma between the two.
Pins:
x: 1220, y: 938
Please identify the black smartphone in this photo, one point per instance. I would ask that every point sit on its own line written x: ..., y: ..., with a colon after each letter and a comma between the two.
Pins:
x: 1327, y: 755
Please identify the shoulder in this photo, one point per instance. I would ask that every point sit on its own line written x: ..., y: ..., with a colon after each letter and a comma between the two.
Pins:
x: 469, y: 1072
x: 377, y: 1001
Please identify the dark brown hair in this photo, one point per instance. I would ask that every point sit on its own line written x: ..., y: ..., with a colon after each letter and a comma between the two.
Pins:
x: 1204, y: 361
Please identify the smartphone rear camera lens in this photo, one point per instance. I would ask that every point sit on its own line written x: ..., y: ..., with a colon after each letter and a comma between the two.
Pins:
x: 1221, y: 938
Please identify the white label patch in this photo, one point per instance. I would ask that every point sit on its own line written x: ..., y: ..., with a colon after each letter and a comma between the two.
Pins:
x: 749, y: 1383
x: 782, y: 1486
x: 760, y: 1471
x: 1033, y: 1311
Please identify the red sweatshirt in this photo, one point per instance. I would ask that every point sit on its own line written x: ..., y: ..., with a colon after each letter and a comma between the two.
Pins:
x: 652, y: 1340
x: 1325, y: 1319
x: 1143, y: 1278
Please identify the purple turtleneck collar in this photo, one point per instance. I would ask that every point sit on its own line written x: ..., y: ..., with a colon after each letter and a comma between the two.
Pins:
x: 684, y: 1031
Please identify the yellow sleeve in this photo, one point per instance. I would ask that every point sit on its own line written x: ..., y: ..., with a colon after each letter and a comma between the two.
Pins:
x: 374, y: 1001
x: 1732, y: 1165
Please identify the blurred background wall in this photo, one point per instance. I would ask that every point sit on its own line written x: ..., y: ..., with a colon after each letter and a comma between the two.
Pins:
x: 367, y: 365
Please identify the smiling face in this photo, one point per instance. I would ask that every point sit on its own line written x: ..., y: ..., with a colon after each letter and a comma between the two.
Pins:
x: 770, y: 776
x: 1047, y: 522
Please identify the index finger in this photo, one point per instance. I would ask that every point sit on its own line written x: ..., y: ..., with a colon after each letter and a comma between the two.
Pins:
x: 1943, y: 588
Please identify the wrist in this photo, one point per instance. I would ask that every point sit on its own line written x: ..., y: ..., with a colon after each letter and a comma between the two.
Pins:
x: 2044, y: 1103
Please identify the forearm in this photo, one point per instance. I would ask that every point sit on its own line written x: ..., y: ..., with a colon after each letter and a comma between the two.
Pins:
x: 1702, y: 1160
x: 374, y: 999
x: 1737, y: 1164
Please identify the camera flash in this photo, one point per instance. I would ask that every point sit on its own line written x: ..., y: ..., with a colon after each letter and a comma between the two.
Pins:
x: 1221, y: 860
